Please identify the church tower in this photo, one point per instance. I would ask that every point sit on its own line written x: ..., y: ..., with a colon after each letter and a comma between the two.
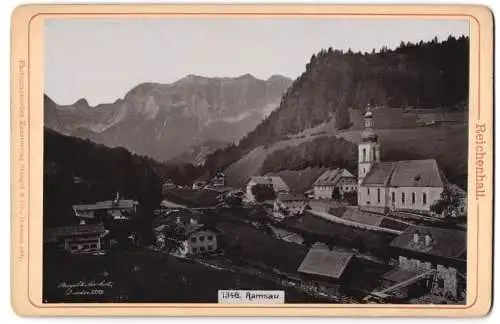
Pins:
x: 368, y: 148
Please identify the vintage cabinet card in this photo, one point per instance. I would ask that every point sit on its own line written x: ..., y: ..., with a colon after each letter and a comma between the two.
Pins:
x: 315, y: 160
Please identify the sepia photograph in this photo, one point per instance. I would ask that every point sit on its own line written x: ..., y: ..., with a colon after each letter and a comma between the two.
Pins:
x: 255, y: 160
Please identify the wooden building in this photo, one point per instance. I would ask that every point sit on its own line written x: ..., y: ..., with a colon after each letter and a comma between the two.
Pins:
x: 118, y: 209
x: 77, y: 239
x: 441, y: 251
x: 336, y: 180
x: 187, y: 238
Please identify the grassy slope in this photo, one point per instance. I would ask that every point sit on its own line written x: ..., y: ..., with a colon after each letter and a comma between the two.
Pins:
x: 401, y: 139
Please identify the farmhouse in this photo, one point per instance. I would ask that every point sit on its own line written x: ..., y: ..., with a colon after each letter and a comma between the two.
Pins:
x: 187, y: 238
x: 274, y: 182
x: 339, y: 180
x: 118, y: 209
x: 219, y: 180
x: 411, y: 186
x: 168, y: 185
x: 77, y: 239
x: 437, y: 251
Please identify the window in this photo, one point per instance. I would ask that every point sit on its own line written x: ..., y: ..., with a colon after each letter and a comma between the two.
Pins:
x: 202, y: 249
x: 210, y: 248
x: 413, y: 198
x: 403, y: 198
x: 210, y: 237
x: 201, y: 238
x: 194, y: 250
x: 394, y: 197
x: 378, y: 195
x: 424, y: 198
x: 368, y: 191
x: 374, y: 154
x: 193, y: 239
x: 440, y: 283
x: 364, y: 155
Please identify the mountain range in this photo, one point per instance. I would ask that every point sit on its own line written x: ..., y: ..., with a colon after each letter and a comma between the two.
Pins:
x: 166, y: 121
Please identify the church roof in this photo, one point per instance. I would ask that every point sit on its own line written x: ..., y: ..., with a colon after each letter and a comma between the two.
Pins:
x: 411, y: 173
x: 331, y: 177
x: 379, y: 174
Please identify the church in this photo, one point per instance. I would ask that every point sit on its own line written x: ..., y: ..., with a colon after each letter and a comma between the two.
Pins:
x: 412, y: 185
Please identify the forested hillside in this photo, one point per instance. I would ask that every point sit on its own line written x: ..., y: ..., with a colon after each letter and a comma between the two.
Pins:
x: 79, y: 171
x: 426, y: 75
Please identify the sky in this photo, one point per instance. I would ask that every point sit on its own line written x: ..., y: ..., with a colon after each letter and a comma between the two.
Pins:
x: 102, y: 59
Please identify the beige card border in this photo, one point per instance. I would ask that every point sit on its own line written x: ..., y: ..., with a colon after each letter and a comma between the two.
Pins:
x: 27, y: 152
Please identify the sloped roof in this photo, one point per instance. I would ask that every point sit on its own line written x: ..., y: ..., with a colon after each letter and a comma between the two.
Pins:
x: 277, y: 182
x: 416, y: 173
x: 445, y: 243
x: 323, y: 262
x: 190, y: 228
x: 331, y: 177
x: 379, y: 174
x: 411, y: 173
x: 170, y: 204
x: 107, y: 204
x: 51, y: 234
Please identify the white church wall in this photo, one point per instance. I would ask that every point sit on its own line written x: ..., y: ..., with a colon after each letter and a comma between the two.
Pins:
x: 372, y: 197
x: 419, y: 203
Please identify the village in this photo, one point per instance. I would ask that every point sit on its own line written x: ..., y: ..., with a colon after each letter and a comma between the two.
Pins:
x: 398, y: 228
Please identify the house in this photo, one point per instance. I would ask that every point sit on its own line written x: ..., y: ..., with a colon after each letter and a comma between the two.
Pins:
x: 219, y: 180
x: 410, y: 186
x: 77, y: 239
x: 187, y: 238
x: 440, y: 251
x: 274, y: 182
x: 168, y: 185
x: 289, y: 205
x: 199, y: 184
x: 337, y: 179
x: 320, y: 262
x: 118, y: 209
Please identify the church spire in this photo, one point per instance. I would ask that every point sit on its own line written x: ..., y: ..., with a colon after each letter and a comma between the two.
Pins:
x: 368, y: 148
x: 369, y: 134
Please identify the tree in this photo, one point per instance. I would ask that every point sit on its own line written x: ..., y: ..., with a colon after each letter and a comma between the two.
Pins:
x: 448, y: 202
x: 172, y: 237
x: 263, y: 192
